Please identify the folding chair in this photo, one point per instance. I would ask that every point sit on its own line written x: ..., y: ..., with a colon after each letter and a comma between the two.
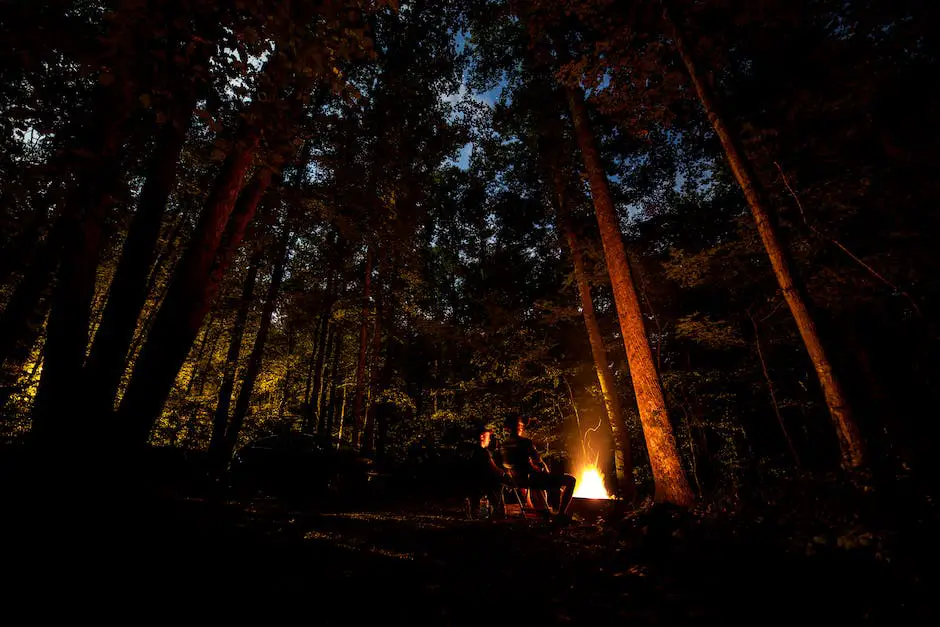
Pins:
x: 510, y: 483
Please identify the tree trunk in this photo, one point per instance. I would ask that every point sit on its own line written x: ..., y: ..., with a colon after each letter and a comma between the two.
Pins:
x: 368, y: 444
x: 320, y: 388
x: 850, y: 440
x: 189, y: 295
x: 363, y: 349
x: 128, y: 292
x: 282, y: 405
x: 668, y: 474
x: 82, y: 227
x: 334, y: 377
x: 311, y: 363
x: 312, y: 417
x: 618, y: 427
x: 257, y: 353
x: 220, y: 417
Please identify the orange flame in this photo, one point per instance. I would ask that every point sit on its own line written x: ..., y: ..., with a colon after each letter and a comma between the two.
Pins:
x: 590, y: 484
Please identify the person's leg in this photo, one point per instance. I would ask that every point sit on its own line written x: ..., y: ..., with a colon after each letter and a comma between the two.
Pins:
x: 539, y: 482
x: 567, y: 484
x: 497, y: 504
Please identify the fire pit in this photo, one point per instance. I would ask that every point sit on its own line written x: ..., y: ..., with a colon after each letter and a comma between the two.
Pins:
x: 591, y: 499
x: 589, y: 510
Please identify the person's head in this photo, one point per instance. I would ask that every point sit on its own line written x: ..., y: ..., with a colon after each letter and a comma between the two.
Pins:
x: 485, y: 437
x: 515, y: 425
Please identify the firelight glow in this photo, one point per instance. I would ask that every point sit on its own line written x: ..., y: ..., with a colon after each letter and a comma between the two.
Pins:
x: 590, y: 484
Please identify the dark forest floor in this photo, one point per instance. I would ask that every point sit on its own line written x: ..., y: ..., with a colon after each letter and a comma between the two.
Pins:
x: 402, y: 561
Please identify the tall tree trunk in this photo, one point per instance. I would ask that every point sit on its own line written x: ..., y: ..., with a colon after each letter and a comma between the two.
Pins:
x: 321, y: 388
x: 363, y: 349
x: 189, y: 295
x: 312, y: 410
x: 82, y: 226
x: 257, y: 353
x: 287, y: 377
x: 368, y: 443
x: 334, y: 377
x: 668, y: 474
x: 220, y: 417
x: 618, y: 426
x: 127, y: 294
x: 311, y: 363
x: 850, y: 439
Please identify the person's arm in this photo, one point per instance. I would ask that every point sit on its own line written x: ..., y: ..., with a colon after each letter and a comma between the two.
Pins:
x: 535, y: 460
x: 493, y: 465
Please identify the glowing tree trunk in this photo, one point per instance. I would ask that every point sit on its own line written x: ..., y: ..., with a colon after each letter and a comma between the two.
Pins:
x: 847, y: 430
x: 618, y: 427
x: 668, y: 474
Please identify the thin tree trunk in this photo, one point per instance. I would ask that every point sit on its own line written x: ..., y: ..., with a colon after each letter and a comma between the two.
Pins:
x: 334, y: 377
x: 311, y: 363
x: 189, y: 295
x: 127, y: 295
x: 257, y: 353
x: 321, y: 388
x: 617, y: 424
x: 668, y: 474
x: 368, y: 444
x: 287, y: 379
x: 850, y: 440
x: 363, y: 349
x: 311, y: 420
x: 220, y: 416
x: 342, y: 412
x: 773, y: 395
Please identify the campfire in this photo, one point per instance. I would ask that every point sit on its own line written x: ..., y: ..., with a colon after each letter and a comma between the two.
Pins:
x: 590, y: 478
x: 590, y: 484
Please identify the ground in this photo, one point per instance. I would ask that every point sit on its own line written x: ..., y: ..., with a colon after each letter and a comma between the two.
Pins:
x: 401, y: 560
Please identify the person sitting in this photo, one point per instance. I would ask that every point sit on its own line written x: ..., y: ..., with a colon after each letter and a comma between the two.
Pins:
x: 487, y: 474
x: 529, y: 470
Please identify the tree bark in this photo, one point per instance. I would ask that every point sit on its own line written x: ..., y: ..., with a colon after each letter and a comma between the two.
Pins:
x: 312, y: 410
x: 320, y: 388
x: 618, y: 426
x: 257, y: 353
x: 188, y: 297
x: 81, y: 237
x: 363, y: 349
x: 334, y: 375
x: 368, y: 443
x: 220, y: 417
x: 850, y: 439
x: 669, y: 476
x: 128, y: 292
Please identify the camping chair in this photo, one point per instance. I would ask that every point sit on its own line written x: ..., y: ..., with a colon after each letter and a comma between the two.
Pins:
x: 515, y: 489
